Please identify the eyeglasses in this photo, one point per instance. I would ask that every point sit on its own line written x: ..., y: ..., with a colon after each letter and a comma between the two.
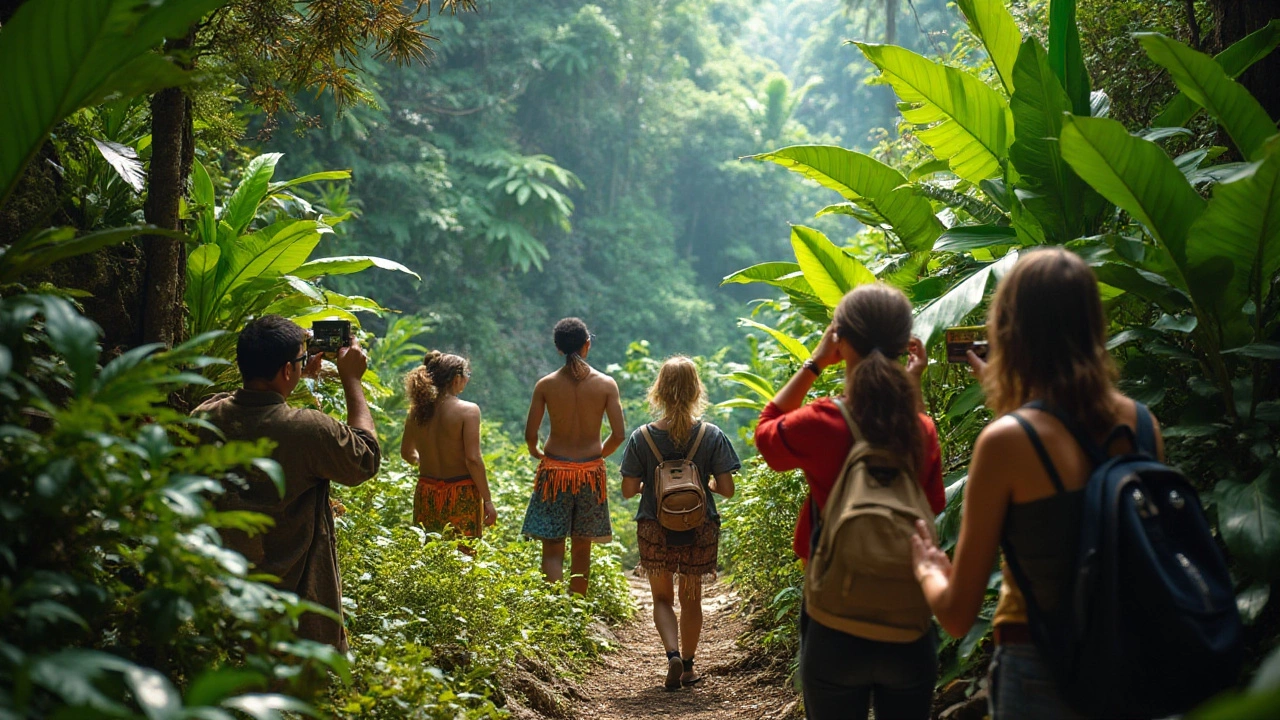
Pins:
x: 466, y: 374
x: 591, y: 337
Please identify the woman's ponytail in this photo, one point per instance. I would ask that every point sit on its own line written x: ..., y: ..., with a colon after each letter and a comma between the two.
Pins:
x: 425, y: 384
x: 876, y: 321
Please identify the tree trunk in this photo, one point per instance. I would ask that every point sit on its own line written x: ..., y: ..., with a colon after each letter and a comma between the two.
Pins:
x: 1233, y: 19
x: 171, y: 154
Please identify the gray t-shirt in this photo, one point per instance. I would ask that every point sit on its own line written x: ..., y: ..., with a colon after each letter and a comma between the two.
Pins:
x: 715, y: 455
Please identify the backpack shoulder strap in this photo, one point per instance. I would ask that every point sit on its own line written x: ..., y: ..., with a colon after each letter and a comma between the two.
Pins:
x: 697, y: 441
x: 1146, y: 441
x: 1036, y: 443
x: 653, y: 447
x: 848, y: 419
x: 1092, y: 449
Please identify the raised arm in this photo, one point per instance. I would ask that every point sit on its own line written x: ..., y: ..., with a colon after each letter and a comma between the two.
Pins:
x: 351, y: 363
x: 537, y: 407
x: 722, y: 484
x: 475, y: 460
x: 955, y: 592
x: 617, y: 425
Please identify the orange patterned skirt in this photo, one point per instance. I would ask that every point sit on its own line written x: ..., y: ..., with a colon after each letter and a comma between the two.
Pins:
x: 438, y: 503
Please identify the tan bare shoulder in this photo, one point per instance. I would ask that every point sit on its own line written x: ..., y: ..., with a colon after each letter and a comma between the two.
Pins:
x: 468, y: 409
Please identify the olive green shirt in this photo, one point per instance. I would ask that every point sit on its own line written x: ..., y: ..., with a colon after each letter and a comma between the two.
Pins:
x: 313, y: 450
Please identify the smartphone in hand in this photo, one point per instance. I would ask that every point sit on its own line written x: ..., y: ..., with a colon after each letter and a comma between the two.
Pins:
x: 327, y: 336
x: 960, y: 340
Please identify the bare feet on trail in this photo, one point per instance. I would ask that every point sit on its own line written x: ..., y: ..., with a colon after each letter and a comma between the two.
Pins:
x: 736, y: 684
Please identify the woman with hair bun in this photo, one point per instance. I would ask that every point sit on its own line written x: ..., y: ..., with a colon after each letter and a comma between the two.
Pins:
x: 442, y: 437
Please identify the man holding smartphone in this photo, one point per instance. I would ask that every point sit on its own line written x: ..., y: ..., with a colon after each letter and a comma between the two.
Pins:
x: 312, y: 449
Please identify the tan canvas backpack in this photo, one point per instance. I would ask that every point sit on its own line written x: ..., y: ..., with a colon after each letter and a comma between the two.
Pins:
x: 859, y: 579
x: 677, y: 486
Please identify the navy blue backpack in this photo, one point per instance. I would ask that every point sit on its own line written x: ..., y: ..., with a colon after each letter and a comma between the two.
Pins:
x: 1148, y: 627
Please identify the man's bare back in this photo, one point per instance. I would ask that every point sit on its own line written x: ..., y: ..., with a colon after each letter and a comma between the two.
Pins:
x: 577, y: 409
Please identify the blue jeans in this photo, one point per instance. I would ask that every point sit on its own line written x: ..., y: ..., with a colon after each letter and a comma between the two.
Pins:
x: 843, y: 675
x: 1022, y: 686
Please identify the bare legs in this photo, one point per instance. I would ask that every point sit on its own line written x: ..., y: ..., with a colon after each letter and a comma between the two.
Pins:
x: 579, y: 563
x: 682, y: 634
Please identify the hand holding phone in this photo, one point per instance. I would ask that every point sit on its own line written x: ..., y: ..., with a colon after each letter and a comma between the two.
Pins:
x: 962, y: 340
x: 328, y: 336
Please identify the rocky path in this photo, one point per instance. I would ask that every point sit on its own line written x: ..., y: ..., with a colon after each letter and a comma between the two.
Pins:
x: 737, y: 686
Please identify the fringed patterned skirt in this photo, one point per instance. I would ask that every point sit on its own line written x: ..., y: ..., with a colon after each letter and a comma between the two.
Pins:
x: 450, y: 501
x: 690, y: 552
x: 569, y: 500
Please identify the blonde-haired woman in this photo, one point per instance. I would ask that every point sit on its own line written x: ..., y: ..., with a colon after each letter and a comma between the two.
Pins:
x: 442, y: 437
x: 678, y: 399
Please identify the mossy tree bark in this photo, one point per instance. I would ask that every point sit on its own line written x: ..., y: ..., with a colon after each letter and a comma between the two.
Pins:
x: 1232, y: 20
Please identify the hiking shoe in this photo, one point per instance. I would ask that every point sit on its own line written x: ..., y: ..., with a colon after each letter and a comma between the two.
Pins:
x: 675, y: 668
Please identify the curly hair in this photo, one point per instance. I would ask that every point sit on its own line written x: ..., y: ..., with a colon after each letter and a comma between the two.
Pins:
x: 426, y: 383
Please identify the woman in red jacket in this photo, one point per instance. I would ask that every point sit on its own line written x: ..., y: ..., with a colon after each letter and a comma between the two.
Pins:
x: 843, y: 674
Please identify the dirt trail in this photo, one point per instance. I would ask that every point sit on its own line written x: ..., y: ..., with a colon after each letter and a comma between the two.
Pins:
x: 737, y: 685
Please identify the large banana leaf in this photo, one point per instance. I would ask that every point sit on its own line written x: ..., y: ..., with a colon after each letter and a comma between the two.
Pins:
x: 961, y: 300
x: 1065, y: 57
x: 202, y: 280
x: 784, y: 275
x: 1138, y: 176
x: 1207, y: 84
x: 347, y: 265
x: 830, y: 272
x: 794, y: 347
x: 1249, y: 519
x: 248, y: 195
x: 965, y: 122
x: 1236, y: 252
x: 1053, y: 193
x: 994, y: 27
x: 61, y: 55
x: 1237, y: 58
x: 868, y: 182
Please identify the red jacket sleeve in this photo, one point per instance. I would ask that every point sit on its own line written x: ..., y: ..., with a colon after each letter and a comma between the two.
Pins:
x: 931, y: 475
x: 771, y: 443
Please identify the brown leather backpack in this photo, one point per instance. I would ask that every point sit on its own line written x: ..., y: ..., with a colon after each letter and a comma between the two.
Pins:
x: 859, y: 579
x: 677, y: 486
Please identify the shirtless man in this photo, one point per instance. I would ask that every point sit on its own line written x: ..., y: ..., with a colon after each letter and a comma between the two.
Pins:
x: 569, y: 495
x: 442, y: 437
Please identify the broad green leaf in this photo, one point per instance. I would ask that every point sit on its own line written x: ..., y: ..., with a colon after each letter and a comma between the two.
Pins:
x: 963, y: 120
x: 124, y: 160
x: 244, y: 202
x: 1205, y: 82
x: 326, y: 313
x: 1236, y: 252
x: 754, y: 383
x: 202, y: 193
x: 870, y: 218
x: 1052, y: 192
x: 830, y: 272
x: 1065, y: 57
x: 763, y: 272
x: 40, y: 249
x: 348, y: 265
x: 271, y: 252
x: 958, y: 302
x: 268, y: 707
x: 788, y: 343
x: 61, y: 55
x: 153, y: 692
x: 994, y: 27
x: 213, y: 686
x: 1249, y: 520
x: 927, y: 168
x: 313, y: 177
x: 1137, y: 176
x: 868, y: 182
x: 1260, y: 350
x: 202, y: 279
x: 1237, y: 58
x: 970, y: 237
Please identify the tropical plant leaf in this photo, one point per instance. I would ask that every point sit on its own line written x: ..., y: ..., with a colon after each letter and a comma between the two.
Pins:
x: 1249, y: 520
x: 927, y: 168
x: 124, y: 160
x: 206, y: 213
x: 1065, y: 57
x: 1137, y: 176
x: 868, y: 182
x: 1207, y: 84
x: 961, y: 300
x: 980, y: 210
x: 994, y: 27
x: 870, y: 218
x: 347, y: 265
x: 41, y: 248
x: 1056, y: 196
x: 62, y: 55
x: 1237, y: 249
x: 764, y: 272
x: 249, y: 194
x: 1237, y: 58
x: 202, y: 279
x: 830, y: 272
x: 788, y: 343
x: 754, y: 383
x: 963, y: 120
x: 276, y: 187
x: 972, y: 237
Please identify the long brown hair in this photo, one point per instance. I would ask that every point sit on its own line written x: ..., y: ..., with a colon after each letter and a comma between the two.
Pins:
x: 427, y: 382
x: 876, y: 321
x: 678, y: 394
x: 1048, y: 339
